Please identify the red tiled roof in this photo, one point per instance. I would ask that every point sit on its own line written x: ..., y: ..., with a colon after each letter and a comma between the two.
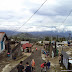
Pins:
x: 26, y: 45
x: 1, y: 35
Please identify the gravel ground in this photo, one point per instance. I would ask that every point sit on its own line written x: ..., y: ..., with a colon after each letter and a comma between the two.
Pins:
x: 38, y: 60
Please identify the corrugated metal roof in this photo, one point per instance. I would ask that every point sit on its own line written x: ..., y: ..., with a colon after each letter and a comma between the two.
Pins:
x: 26, y: 45
x: 1, y: 35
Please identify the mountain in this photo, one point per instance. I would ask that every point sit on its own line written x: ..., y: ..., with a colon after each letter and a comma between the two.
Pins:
x: 25, y: 35
x: 51, y: 33
x: 10, y: 32
x: 37, y: 34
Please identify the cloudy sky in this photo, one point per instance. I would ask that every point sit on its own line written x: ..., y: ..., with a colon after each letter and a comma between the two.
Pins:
x: 14, y: 13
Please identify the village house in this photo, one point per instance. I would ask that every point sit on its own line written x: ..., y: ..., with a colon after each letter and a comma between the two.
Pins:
x: 27, y: 47
x: 46, y: 44
x: 15, y: 49
x: 51, y: 47
x: 66, y: 57
x: 3, y: 41
x: 24, y: 42
x: 63, y: 43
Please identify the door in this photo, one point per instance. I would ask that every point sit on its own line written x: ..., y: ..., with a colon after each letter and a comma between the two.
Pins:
x: 2, y: 45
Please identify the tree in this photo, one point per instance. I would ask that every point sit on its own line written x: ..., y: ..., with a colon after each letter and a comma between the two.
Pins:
x: 54, y: 38
x: 47, y: 38
x: 62, y: 39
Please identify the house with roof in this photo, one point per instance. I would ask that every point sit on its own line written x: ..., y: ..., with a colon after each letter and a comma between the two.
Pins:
x: 15, y: 50
x: 3, y: 41
x: 66, y: 57
x: 46, y: 44
x: 27, y: 47
x: 51, y: 48
x: 24, y: 42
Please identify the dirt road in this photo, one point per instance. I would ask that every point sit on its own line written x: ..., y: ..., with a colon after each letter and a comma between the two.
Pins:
x: 37, y: 56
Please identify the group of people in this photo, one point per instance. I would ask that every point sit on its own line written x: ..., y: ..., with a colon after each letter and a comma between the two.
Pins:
x: 28, y: 68
x: 45, y: 66
x: 31, y: 68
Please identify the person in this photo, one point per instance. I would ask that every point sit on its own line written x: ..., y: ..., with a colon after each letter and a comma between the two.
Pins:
x: 36, y: 49
x: 42, y: 67
x: 33, y: 65
x: 48, y: 64
x: 45, y: 67
x: 28, y: 68
x: 20, y: 67
x: 32, y: 51
x: 60, y: 60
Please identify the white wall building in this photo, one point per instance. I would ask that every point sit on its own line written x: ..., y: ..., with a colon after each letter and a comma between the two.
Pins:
x: 24, y: 42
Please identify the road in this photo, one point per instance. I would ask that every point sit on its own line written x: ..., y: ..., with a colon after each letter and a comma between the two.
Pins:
x: 36, y: 56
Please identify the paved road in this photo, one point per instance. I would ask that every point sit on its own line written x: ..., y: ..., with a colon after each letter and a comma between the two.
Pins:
x: 37, y: 56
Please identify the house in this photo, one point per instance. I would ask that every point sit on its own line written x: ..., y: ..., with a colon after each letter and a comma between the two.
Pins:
x: 15, y: 50
x: 63, y: 43
x: 51, y: 47
x: 27, y: 47
x: 24, y: 42
x: 3, y: 41
x: 46, y: 44
x: 66, y: 57
x: 39, y: 42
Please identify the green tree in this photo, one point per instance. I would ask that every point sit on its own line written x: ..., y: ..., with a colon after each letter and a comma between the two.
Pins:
x: 47, y: 38
x: 54, y: 38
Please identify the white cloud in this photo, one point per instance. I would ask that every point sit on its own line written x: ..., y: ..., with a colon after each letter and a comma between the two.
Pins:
x: 14, y: 13
x: 15, y: 5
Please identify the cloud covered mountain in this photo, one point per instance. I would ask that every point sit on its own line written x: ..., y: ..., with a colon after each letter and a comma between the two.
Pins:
x: 40, y: 34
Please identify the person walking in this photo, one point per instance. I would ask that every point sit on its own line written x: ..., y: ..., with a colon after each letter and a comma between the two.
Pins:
x: 36, y: 49
x: 45, y: 67
x: 33, y: 65
x: 60, y: 60
x: 42, y: 67
x: 20, y: 67
x: 48, y: 64
x: 28, y: 68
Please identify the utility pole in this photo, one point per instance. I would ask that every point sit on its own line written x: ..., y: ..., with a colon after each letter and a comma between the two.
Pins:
x: 69, y: 36
x: 57, y: 37
x: 51, y: 37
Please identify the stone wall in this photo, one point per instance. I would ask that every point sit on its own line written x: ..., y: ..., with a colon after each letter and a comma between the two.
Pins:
x: 17, y: 51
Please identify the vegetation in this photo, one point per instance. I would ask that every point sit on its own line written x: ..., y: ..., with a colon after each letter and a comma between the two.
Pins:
x: 25, y: 37
x: 55, y: 38
x: 47, y: 38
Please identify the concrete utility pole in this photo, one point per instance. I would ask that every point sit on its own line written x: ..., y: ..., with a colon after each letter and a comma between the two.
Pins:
x: 57, y: 37
x: 51, y: 37
x: 55, y: 48
x: 69, y: 36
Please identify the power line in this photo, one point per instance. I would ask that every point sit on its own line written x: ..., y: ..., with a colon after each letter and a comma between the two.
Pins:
x: 31, y: 16
x: 67, y: 16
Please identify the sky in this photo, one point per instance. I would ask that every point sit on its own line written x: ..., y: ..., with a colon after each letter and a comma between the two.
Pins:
x: 50, y: 17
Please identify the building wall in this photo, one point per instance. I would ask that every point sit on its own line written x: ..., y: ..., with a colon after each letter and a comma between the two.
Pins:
x: 0, y: 47
x: 65, y: 62
x: 3, y: 47
x: 24, y: 42
x: 17, y: 52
